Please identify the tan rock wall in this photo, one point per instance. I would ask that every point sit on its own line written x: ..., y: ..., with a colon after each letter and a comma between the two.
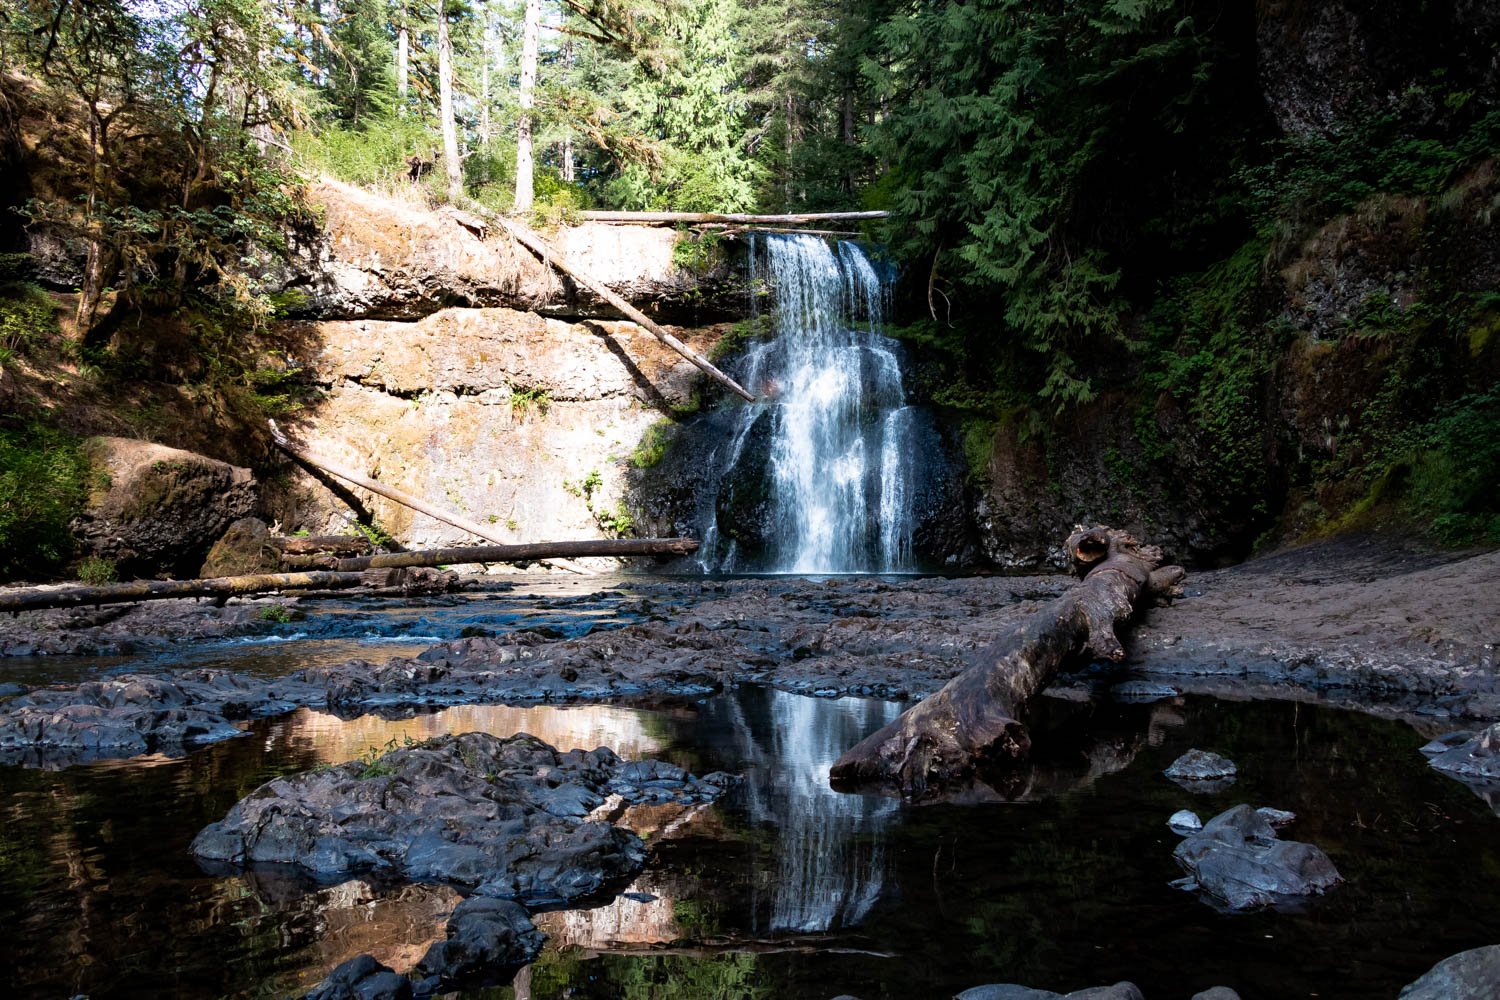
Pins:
x: 497, y: 414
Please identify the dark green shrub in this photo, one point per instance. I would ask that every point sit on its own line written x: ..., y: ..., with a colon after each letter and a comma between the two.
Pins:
x: 44, y: 483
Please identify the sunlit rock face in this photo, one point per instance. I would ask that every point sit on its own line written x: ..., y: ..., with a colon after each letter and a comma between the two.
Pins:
x: 522, y: 423
x: 391, y: 258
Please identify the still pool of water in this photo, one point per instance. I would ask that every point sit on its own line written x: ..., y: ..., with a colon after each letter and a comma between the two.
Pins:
x: 786, y: 888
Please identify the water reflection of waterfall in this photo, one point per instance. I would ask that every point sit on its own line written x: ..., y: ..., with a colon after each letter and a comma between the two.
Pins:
x: 836, y: 461
x: 830, y: 854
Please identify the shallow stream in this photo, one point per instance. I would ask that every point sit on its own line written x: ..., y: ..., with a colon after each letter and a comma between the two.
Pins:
x: 783, y: 889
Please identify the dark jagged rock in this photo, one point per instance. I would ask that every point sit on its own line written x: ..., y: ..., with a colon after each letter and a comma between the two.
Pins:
x: 1469, y: 975
x: 1238, y: 860
x: 1469, y: 755
x: 484, y: 935
x: 1202, y: 771
x: 362, y: 978
x: 512, y: 814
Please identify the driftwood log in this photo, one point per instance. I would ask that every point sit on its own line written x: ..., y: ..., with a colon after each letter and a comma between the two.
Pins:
x: 527, y: 552
x: 667, y: 218
x: 572, y: 269
x: 974, y: 720
x: 353, y: 545
x: 221, y: 587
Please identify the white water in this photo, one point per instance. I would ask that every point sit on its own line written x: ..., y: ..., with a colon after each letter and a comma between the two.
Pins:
x: 842, y: 441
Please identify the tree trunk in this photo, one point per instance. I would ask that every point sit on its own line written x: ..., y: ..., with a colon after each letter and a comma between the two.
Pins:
x: 568, y: 174
x: 403, y: 63
x: 451, y: 161
x: 666, y: 218
x: 528, y: 101
x: 34, y: 598
x: 974, y: 720
x: 484, y: 91
x: 523, y: 552
x: 346, y: 544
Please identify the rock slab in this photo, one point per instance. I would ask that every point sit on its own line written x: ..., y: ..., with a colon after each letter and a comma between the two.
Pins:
x: 1469, y: 975
x: 510, y: 816
x: 1238, y: 861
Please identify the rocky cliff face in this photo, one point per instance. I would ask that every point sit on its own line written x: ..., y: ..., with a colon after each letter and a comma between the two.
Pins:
x: 445, y: 371
x: 378, y: 258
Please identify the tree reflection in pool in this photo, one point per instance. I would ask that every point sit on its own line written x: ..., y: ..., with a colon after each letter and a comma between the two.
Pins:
x: 786, y: 888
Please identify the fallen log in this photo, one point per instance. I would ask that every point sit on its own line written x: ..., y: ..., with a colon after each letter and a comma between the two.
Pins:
x: 974, y: 719
x: 549, y: 255
x: 666, y: 218
x: 527, y: 552
x: 35, y: 598
x: 343, y: 544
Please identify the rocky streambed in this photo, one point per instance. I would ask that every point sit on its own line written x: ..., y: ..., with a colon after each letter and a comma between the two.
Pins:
x: 286, y: 773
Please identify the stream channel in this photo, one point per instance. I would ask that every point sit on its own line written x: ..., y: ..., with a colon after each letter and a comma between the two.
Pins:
x: 782, y: 889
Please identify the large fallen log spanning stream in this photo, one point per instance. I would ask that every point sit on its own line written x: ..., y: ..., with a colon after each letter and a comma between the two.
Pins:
x: 974, y: 719
x: 35, y: 598
x: 374, y: 571
x: 526, y: 552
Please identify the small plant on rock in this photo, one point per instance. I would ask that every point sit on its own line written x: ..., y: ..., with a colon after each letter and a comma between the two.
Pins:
x: 96, y: 571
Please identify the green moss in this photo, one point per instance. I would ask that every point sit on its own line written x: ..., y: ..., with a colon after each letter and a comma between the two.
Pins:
x: 44, y: 483
x: 654, y: 444
x: 979, y: 444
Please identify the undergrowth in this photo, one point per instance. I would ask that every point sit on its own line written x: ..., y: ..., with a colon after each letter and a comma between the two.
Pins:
x: 44, y: 483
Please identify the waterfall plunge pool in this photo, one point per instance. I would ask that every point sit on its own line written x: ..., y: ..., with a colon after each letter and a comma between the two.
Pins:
x: 785, y: 888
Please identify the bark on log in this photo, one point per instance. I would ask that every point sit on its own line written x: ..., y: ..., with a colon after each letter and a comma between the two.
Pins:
x: 974, y: 719
x: 343, y: 544
x: 666, y: 218
x: 34, y: 598
x: 542, y: 249
x: 527, y: 552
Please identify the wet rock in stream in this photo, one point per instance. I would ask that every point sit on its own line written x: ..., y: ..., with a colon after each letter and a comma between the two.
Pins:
x: 1238, y: 860
x: 1009, y: 991
x: 513, y: 817
x: 1202, y: 771
x: 1469, y: 975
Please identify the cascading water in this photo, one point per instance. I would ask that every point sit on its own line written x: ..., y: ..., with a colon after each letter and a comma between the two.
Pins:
x: 839, y: 439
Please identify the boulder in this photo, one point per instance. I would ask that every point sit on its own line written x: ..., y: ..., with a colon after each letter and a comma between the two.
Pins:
x: 1184, y: 821
x: 1469, y: 975
x: 362, y: 978
x: 163, y: 507
x: 507, y: 815
x: 1202, y: 771
x: 484, y: 935
x: 1238, y: 861
x: 1217, y: 993
x: 244, y: 549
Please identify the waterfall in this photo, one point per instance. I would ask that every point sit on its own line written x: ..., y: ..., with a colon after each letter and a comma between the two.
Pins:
x: 836, y: 463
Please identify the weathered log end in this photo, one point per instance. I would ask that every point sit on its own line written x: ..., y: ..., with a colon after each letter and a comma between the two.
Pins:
x: 974, y: 720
